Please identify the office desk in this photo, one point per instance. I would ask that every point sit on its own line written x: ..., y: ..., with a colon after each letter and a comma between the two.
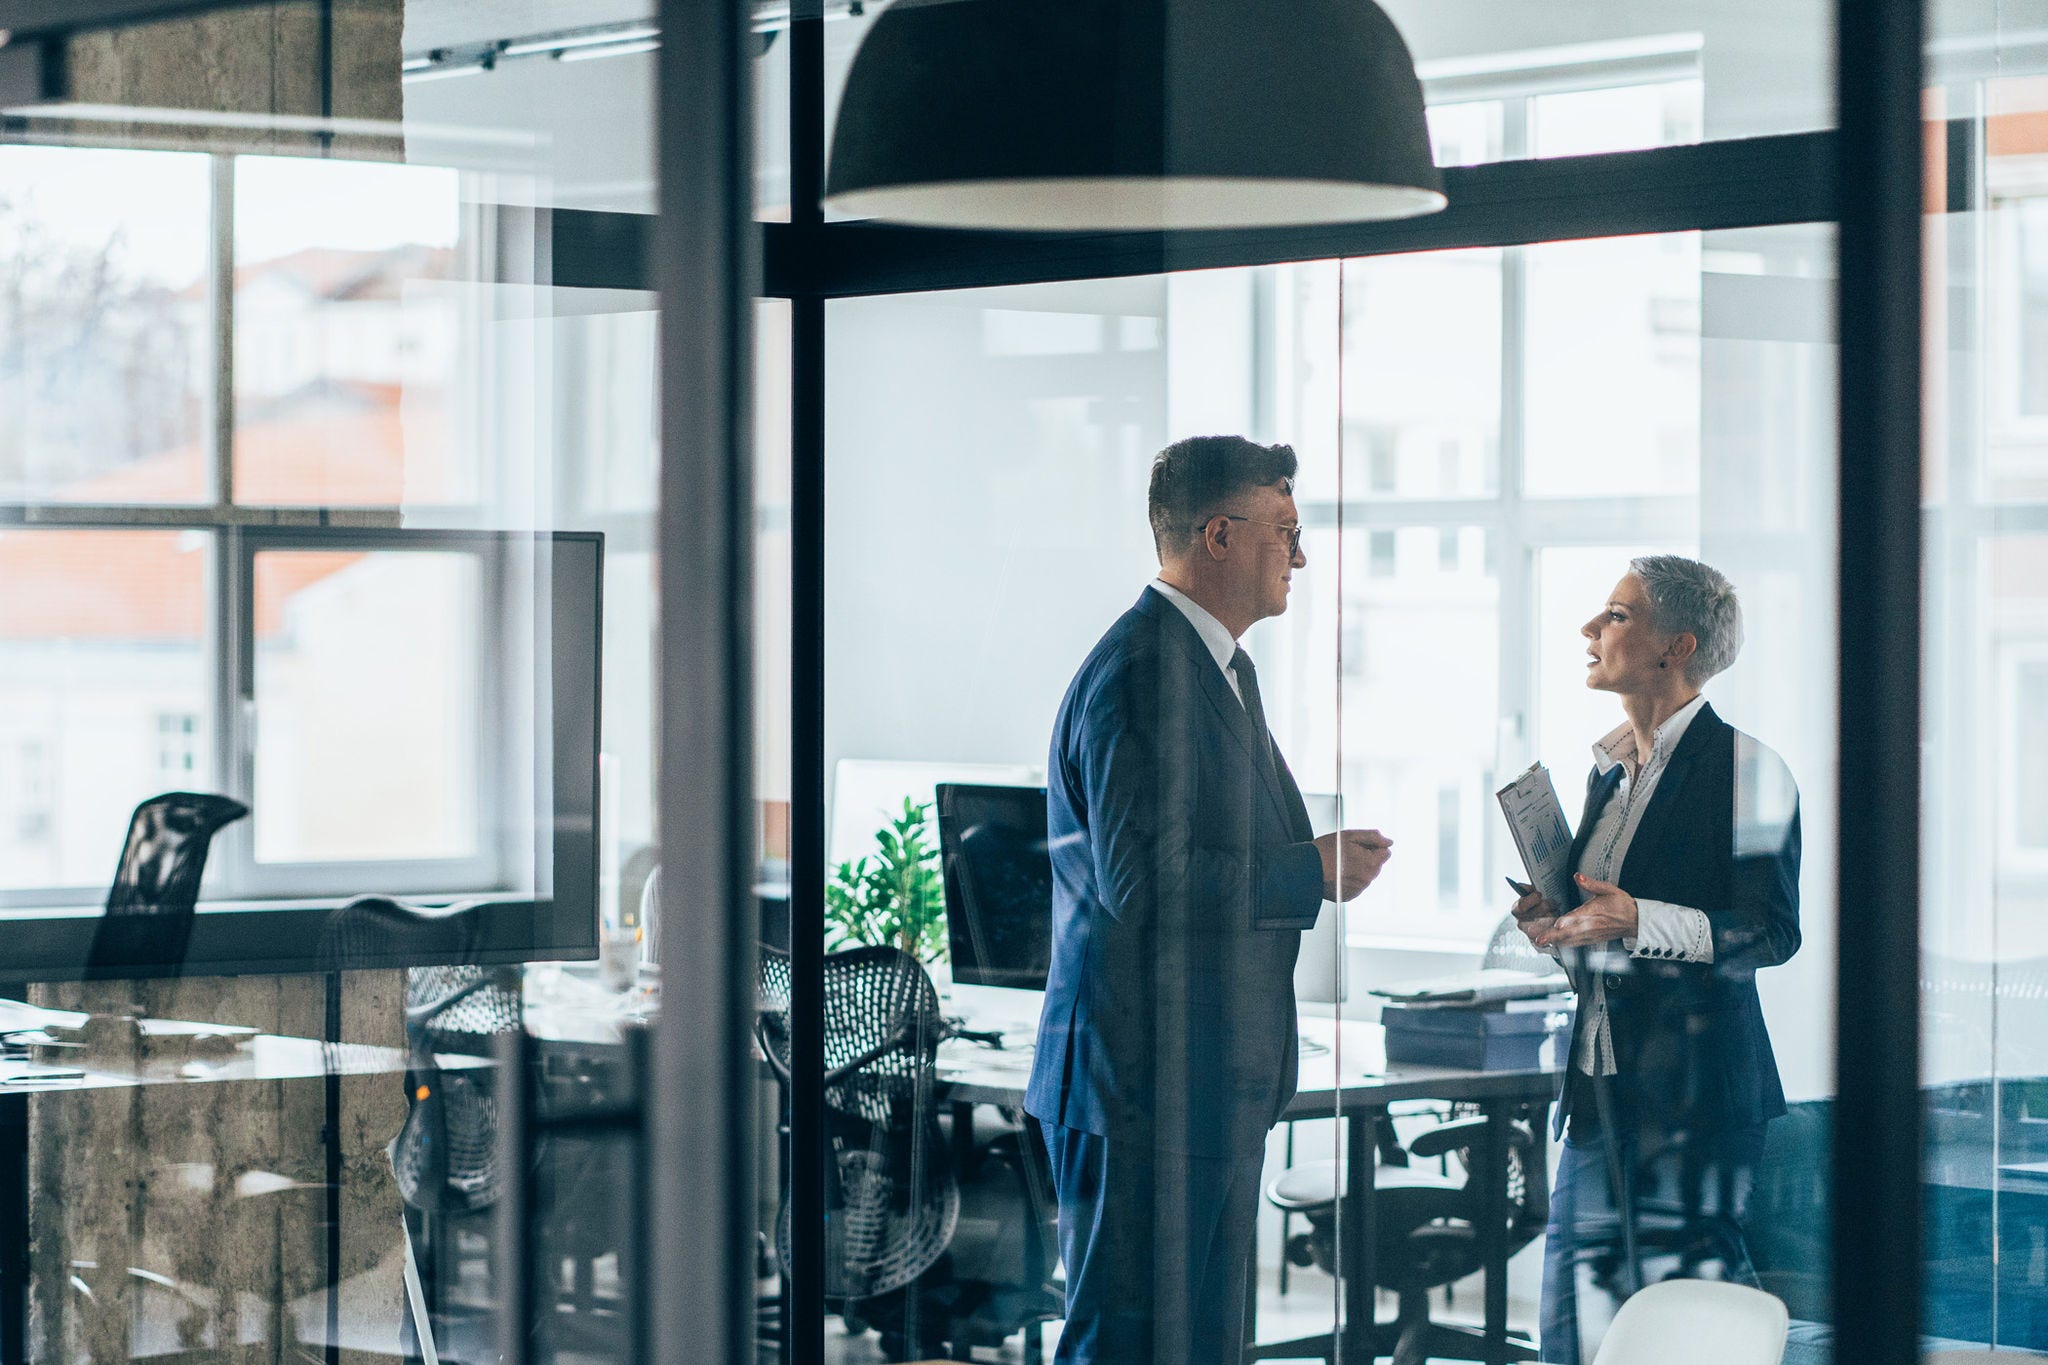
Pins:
x: 258, y: 1057
x: 1345, y: 1076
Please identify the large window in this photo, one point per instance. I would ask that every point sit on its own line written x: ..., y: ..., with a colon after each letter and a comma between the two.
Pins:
x: 272, y: 343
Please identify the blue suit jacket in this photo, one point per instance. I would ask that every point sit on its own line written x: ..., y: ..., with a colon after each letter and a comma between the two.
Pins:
x: 1183, y: 873
x: 1721, y: 834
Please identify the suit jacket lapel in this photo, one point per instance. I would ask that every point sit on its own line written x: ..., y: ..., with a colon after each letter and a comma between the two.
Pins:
x: 1598, y: 790
x: 1665, y: 802
x: 1209, y: 678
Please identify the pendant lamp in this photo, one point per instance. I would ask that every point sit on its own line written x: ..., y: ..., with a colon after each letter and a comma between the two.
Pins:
x: 1132, y: 114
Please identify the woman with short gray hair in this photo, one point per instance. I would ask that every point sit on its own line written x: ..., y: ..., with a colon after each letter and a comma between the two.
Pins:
x: 1686, y: 882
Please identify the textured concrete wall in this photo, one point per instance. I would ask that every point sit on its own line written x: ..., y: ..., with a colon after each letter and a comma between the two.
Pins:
x: 260, y: 59
x: 217, y: 1187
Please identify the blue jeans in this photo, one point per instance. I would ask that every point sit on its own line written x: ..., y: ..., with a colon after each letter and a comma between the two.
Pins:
x: 1688, y: 1212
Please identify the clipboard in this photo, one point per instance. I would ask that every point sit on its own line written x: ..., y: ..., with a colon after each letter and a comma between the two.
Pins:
x: 1542, y: 835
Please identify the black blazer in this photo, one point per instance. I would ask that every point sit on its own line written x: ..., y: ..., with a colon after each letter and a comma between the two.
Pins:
x: 1183, y: 873
x: 1721, y: 835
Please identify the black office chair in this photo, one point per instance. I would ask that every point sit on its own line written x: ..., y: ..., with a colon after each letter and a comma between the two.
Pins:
x: 156, y: 882
x: 1429, y: 1230
x: 1311, y: 1190
x: 891, y: 1199
x: 444, y: 1157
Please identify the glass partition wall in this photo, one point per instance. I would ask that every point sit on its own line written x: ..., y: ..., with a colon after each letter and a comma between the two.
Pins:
x: 1458, y: 531
x: 299, y: 389
x: 326, y: 516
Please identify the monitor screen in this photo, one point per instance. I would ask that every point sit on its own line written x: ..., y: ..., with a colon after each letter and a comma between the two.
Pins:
x: 998, y: 876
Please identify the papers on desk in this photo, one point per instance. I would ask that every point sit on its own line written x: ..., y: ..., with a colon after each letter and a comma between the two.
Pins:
x: 18, y: 1016
x: 1474, y: 988
x: 1542, y: 836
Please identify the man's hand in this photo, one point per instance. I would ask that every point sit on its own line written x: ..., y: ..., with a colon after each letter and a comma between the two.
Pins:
x: 1607, y: 913
x: 1535, y: 913
x: 1351, y: 859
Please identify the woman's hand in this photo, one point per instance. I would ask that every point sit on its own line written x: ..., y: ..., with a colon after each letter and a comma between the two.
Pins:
x: 1535, y: 915
x: 1607, y: 913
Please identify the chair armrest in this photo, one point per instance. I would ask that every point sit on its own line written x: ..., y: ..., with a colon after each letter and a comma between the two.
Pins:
x: 1447, y: 1137
x: 1452, y: 1137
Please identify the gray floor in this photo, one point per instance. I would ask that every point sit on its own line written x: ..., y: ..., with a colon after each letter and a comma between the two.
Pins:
x: 1307, y: 1308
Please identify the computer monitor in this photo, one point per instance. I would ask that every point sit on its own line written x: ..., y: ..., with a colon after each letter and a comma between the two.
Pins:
x: 998, y: 876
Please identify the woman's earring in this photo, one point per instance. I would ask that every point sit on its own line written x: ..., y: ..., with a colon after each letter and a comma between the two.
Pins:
x: 1663, y: 664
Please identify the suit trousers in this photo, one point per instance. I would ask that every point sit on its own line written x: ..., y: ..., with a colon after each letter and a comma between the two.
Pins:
x: 1688, y: 1211
x: 1158, y: 1248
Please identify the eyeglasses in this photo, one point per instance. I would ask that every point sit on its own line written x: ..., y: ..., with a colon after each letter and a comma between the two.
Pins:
x: 1292, y: 529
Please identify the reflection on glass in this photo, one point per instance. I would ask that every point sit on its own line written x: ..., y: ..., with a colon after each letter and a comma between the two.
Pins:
x: 1066, y: 393
x: 104, y: 335
x: 1435, y: 770
x: 1423, y: 343
x: 348, y: 341
x: 1611, y: 367
x: 1622, y: 119
x: 101, y: 674
x: 1467, y: 134
x: 1440, y: 607
x: 367, y: 705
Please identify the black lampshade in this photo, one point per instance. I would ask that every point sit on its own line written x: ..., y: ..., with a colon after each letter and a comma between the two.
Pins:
x: 1116, y: 114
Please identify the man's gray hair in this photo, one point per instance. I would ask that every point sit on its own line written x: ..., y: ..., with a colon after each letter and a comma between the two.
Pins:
x: 1691, y: 598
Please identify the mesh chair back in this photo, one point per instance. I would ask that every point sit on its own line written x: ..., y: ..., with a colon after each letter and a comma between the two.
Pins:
x: 445, y: 1157
x: 892, y: 1202
x: 771, y: 1006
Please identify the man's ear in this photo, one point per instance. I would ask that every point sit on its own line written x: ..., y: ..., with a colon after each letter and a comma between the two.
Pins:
x: 1682, y: 647
x: 1216, y: 536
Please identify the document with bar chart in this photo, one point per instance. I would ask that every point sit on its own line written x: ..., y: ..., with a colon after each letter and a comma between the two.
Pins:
x: 1537, y: 822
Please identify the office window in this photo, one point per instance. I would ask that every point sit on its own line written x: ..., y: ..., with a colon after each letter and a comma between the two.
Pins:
x: 356, y: 375
x: 177, y: 745
x: 1422, y: 338
x: 1546, y: 415
x: 2030, y: 302
x: 104, y: 335
x: 102, y: 637
x: 1381, y: 549
x: 367, y: 705
x: 1618, y: 119
x: 34, y: 792
x: 1448, y: 863
x: 1611, y: 367
x: 1432, y: 643
x: 2027, y: 720
x: 347, y: 335
x: 1467, y: 134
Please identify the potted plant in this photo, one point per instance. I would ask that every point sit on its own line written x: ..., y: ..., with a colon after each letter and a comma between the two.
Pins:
x: 893, y: 897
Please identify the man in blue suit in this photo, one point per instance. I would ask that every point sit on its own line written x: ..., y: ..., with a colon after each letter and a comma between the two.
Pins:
x: 1184, y: 870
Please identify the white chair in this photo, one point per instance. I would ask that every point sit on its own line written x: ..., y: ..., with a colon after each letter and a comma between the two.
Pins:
x: 1696, y: 1322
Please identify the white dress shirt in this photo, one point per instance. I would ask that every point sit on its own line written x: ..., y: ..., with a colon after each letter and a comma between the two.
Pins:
x: 1663, y: 930
x: 1222, y: 645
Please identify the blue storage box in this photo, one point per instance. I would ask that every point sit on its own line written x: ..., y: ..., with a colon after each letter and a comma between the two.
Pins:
x: 1504, y: 1036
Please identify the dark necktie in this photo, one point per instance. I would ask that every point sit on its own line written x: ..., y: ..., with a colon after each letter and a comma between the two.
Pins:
x: 1248, y: 683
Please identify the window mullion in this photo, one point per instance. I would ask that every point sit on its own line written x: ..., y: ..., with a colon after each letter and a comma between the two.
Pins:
x: 221, y: 304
